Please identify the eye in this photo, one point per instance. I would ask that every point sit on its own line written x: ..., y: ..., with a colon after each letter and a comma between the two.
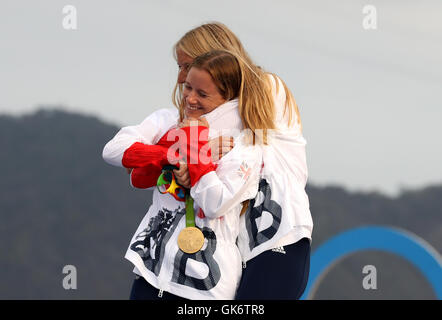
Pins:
x: 184, y: 67
x: 187, y: 86
x: 202, y: 94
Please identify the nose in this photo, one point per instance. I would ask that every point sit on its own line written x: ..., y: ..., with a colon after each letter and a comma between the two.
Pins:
x: 191, y: 97
x: 182, y: 76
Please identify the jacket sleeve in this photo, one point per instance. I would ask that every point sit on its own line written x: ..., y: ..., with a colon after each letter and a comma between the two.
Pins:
x: 236, y: 179
x: 287, y: 144
x: 146, y: 133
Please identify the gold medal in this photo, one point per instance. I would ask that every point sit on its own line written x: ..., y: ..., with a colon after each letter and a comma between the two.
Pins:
x: 190, y: 240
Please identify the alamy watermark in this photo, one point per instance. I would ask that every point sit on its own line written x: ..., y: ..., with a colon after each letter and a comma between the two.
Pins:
x: 370, y: 19
x: 69, y: 21
x: 369, y: 282
x: 179, y: 149
x: 70, y: 280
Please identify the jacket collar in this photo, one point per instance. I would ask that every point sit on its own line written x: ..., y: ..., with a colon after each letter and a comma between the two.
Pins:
x: 222, y: 110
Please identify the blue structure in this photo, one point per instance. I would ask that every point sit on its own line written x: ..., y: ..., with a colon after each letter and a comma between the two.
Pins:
x: 397, y: 241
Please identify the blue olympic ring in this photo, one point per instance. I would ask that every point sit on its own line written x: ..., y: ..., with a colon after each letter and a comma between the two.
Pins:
x: 394, y: 240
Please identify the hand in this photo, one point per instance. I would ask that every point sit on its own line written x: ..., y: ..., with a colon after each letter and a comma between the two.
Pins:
x: 188, y: 122
x: 182, y: 175
x: 220, y: 147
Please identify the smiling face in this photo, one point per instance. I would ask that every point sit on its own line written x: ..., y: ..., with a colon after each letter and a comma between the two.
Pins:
x: 200, y: 93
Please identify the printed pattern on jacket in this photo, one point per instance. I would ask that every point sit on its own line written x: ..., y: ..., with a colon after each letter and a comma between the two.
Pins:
x: 214, y: 271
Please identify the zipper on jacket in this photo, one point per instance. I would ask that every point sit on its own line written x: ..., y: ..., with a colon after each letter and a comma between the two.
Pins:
x: 160, y: 293
x: 244, y: 265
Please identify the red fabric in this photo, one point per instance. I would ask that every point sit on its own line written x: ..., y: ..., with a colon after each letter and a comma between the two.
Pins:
x: 201, y: 214
x: 141, y: 155
x: 199, y: 163
x: 145, y: 177
x: 148, y: 160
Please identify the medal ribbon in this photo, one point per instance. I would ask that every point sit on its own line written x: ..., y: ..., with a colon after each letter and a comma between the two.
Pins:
x: 177, y: 192
x: 190, y: 213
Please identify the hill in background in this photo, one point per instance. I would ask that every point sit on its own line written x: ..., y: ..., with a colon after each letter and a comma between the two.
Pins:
x: 61, y: 204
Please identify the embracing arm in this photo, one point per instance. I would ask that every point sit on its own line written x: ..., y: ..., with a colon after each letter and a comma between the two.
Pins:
x: 133, y: 145
x: 235, y: 179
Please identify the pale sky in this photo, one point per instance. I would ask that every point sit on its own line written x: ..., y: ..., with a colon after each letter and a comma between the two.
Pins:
x: 370, y: 100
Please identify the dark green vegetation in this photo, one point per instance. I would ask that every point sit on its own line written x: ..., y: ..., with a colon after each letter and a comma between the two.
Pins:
x: 61, y: 204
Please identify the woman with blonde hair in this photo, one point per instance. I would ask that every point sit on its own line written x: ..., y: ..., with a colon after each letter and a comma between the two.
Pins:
x: 276, y: 226
x: 164, y: 249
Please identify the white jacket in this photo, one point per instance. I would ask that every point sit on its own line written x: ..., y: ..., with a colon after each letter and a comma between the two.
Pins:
x: 280, y: 214
x: 213, y: 272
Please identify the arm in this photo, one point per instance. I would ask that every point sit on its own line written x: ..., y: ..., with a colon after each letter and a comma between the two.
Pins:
x: 219, y: 147
x: 146, y: 133
x: 287, y: 144
x: 235, y: 180
x: 140, y: 155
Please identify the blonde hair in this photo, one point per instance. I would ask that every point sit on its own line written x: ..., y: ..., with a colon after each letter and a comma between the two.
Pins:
x: 216, y: 36
x: 290, y: 102
x: 234, y: 78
